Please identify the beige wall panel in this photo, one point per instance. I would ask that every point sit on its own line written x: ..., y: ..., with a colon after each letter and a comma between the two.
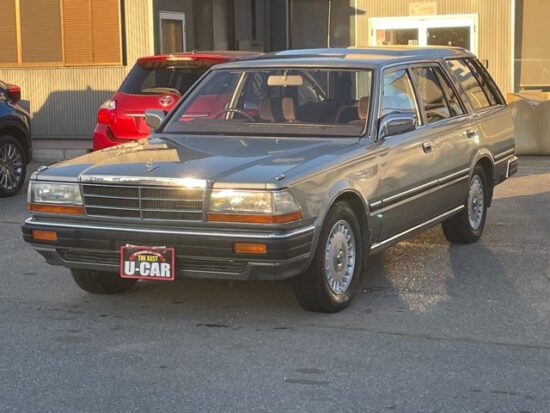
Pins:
x: 63, y: 101
x: 139, y: 29
x: 494, y: 25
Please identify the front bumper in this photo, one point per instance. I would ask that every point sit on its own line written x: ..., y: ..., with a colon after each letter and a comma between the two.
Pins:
x: 199, y: 253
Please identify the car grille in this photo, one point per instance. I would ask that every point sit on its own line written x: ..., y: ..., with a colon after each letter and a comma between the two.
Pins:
x: 190, y: 264
x: 161, y: 203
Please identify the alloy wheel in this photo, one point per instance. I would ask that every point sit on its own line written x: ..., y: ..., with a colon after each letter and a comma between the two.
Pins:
x: 476, y: 202
x: 11, y: 166
x: 340, y: 254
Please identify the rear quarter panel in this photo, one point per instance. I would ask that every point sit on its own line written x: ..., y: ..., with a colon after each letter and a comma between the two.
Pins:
x: 496, y: 129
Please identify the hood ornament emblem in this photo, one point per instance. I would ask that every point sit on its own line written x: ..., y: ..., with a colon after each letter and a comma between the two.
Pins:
x: 166, y: 100
x: 150, y: 166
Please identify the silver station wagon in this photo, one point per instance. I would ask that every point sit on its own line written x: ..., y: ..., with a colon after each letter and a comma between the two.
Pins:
x: 294, y: 164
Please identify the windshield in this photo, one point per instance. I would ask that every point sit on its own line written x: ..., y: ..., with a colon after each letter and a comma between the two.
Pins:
x: 160, y: 78
x: 316, y: 102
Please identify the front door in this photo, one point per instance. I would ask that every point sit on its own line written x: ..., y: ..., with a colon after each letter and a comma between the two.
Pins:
x: 406, y: 162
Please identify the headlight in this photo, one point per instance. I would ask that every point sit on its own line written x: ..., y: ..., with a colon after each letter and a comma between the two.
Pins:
x: 55, y: 197
x: 227, y: 205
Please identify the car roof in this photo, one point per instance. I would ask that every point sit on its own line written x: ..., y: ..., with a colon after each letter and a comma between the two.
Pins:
x: 218, y: 55
x: 349, y: 57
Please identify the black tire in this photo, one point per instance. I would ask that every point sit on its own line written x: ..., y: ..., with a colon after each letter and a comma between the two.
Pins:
x: 13, y: 166
x: 100, y: 282
x: 458, y: 229
x: 312, y: 288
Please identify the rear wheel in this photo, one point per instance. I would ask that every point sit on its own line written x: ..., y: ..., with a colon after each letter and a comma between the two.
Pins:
x: 331, y: 279
x: 100, y: 282
x: 12, y: 166
x: 467, y: 226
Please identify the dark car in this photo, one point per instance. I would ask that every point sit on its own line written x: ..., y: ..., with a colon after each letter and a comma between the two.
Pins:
x: 15, y: 140
x: 317, y: 159
x: 155, y: 82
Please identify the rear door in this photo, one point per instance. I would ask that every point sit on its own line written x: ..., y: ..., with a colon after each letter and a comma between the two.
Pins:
x: 449, y: 130
x: 494, y: 129
x: 406, y: 163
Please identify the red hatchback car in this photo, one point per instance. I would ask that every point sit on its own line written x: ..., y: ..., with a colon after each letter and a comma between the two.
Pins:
x: 155, y: 82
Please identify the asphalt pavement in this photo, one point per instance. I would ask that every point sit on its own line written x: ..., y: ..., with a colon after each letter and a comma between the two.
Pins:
x: 435, y: 328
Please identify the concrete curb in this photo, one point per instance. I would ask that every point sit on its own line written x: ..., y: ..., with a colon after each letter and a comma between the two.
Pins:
x: 55, y: 150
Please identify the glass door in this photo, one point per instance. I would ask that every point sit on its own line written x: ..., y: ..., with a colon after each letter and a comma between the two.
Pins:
x: 396, y: 37
x: 443, y: 30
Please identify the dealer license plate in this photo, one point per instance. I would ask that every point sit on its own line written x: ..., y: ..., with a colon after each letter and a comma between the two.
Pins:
x: 147, y: 263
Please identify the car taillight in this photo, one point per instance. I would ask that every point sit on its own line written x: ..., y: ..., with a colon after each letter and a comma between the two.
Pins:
x: 107, y: 112
x: 14, y: 93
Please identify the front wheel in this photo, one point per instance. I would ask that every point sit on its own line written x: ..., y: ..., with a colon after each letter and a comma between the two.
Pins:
x: 467, y: 226
x: 100, y: 282
x: 331, y: 279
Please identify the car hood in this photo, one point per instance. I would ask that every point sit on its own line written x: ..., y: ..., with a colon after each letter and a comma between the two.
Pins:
x: 242, y: 162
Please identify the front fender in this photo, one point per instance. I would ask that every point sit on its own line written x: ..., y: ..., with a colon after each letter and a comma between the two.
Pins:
x: 340, y: 189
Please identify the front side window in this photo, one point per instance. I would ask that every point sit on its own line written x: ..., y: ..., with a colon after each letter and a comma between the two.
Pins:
x: 291, y: 101
x: 398, y: 93
x: 472, y: 87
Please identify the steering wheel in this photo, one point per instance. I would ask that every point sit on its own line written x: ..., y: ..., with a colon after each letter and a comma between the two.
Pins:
x: 240, y: 112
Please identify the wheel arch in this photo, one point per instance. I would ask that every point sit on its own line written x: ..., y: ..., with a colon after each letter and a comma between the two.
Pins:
x: 487, y: 163
x: 15, y: 130
x: 360, y: 206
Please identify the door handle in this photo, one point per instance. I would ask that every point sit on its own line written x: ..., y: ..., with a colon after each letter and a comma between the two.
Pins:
x: 427, y: 147
x: 472, y: 134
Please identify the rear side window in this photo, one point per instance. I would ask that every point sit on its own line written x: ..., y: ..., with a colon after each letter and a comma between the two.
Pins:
x: 161, y: 79
x: 476, y: 82
x: 486, y: 81
x: 469, y: 83
x: 398, y: 94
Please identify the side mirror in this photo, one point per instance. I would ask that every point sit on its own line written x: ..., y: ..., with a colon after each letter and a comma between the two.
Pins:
x: 14, y: 93
x: 395, y: 123
x: 154, y: 118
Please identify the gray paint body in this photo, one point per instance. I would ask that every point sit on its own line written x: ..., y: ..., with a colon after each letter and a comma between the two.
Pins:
x: 402, y: 188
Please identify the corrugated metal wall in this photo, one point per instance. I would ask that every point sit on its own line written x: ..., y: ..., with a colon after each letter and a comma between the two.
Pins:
x: 63, y: 101
x: 495, y: 27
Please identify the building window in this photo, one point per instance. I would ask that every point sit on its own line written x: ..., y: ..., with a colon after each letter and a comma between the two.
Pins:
x: 40, y: 31
x: 448, y: 30
x: 61, y: 32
